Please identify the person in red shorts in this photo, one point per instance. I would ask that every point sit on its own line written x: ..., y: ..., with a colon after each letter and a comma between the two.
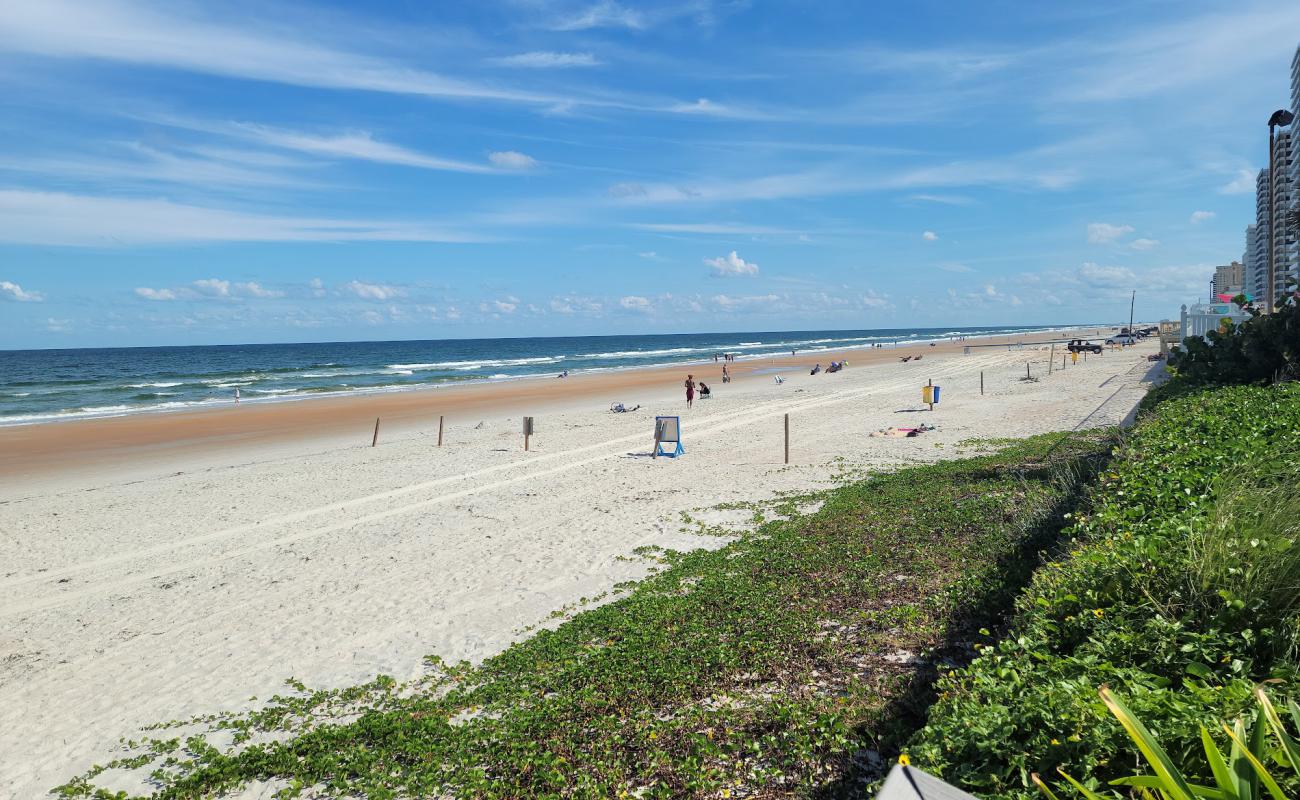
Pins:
x: 690, y: 390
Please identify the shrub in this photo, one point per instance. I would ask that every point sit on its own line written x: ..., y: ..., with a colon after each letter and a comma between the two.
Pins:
x: 1161, y: 595
x: 1264, y: 348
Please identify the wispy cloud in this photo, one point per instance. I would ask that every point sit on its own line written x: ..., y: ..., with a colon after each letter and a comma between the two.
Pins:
x: 135, y: 33
x: 711, y: 228
x: 1244, y: 183
x: 1105, y: 233
x: 546, y: 59
x: 603, y: 14
x: 512, y: 160
x: 55, y: 218
x: 373, y: 291
x: 930, y: 236
x: 1200, y: 216
x: 1197, y: 51
x: 134, y: 163
x: 359, y: 145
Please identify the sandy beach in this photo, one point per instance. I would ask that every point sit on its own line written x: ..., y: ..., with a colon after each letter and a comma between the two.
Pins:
x: 167, y: 565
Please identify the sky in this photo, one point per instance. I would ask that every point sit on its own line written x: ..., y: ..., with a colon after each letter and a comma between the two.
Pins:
x: 200, y: 173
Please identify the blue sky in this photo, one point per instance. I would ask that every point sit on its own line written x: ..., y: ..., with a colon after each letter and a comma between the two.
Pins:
x: 182, y: 173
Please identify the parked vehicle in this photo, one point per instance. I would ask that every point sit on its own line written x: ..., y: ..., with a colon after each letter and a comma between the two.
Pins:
x: 1081, y: 346
x: 1122, y: 339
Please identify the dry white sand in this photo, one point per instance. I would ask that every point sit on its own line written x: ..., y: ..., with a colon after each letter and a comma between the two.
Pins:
x: 129, y: 603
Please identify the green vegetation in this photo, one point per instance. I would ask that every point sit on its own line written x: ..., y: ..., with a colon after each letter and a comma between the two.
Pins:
x: 1245, y: 773
x: 1181, y: 589
x: 1263, y: 349
x: 780, y: 664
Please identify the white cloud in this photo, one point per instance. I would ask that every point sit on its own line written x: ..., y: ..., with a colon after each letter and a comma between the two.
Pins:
x: 930, y: 236
x: 604, y: 14
x: 1095, y: 275
x: 506, y: 306
x: 155, y: 294
x: 255, y: 289
x: 574, y: 304
x: 13, y: 291
x: 873, y: 299
x: 732, y: 266
x: 954, y: 266
x: 544, y: 59
x: 1244, y: 183
x: 1200, y: 216
x: 510, y: 159
x: 373, y: 291
x: 634, y: 303
x: 212, y: 287
x: 58, y: 325
x: 1104, y: 232
x: 55, y: 218
x: 1144, y: 244
x: 730, y: 302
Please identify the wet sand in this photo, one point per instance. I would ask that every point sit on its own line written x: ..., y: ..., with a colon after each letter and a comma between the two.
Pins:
x: 139, y: 445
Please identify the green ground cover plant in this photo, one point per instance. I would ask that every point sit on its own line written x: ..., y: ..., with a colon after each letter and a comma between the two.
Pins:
x: 1179, y: 590
x: 781, y: 665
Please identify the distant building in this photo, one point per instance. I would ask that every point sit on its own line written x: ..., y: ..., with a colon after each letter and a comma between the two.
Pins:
x: 1253, y: 268
x: 1277, y: 194
x: 1259, y: 285
x: 1286, y: 258
x: 1229, y: 279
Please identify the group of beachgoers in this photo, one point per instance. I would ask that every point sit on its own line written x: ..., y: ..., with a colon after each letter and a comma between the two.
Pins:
x: 835, y: 366
x: 692, y: 387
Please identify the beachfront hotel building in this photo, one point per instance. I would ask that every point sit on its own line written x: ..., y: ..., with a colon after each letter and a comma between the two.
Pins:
x: 1277, y: 193
x: 1286, y: 258
x: 1229, y: 279
x: 1257, y: 282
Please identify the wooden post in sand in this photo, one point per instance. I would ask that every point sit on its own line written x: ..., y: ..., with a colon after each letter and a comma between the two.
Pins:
x: 981, y: 383
x: 787, y: 438
x: 1051, y: 359
x: 1062, y: 360
x: 440, y: 430
x: 930, y: 382
x: 659, y: 432
x: 375, y: 439
x: 1026, y: 370
x: 528, y: 431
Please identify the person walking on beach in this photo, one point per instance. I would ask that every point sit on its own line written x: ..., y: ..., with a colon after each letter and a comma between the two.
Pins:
x: 726, y: 376
x: 690, y: 390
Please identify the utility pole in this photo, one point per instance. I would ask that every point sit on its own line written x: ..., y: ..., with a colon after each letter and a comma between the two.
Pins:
x: 1131, y: 301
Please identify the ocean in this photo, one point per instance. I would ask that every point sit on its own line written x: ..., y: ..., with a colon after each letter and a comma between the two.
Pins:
x: 45, y: 385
